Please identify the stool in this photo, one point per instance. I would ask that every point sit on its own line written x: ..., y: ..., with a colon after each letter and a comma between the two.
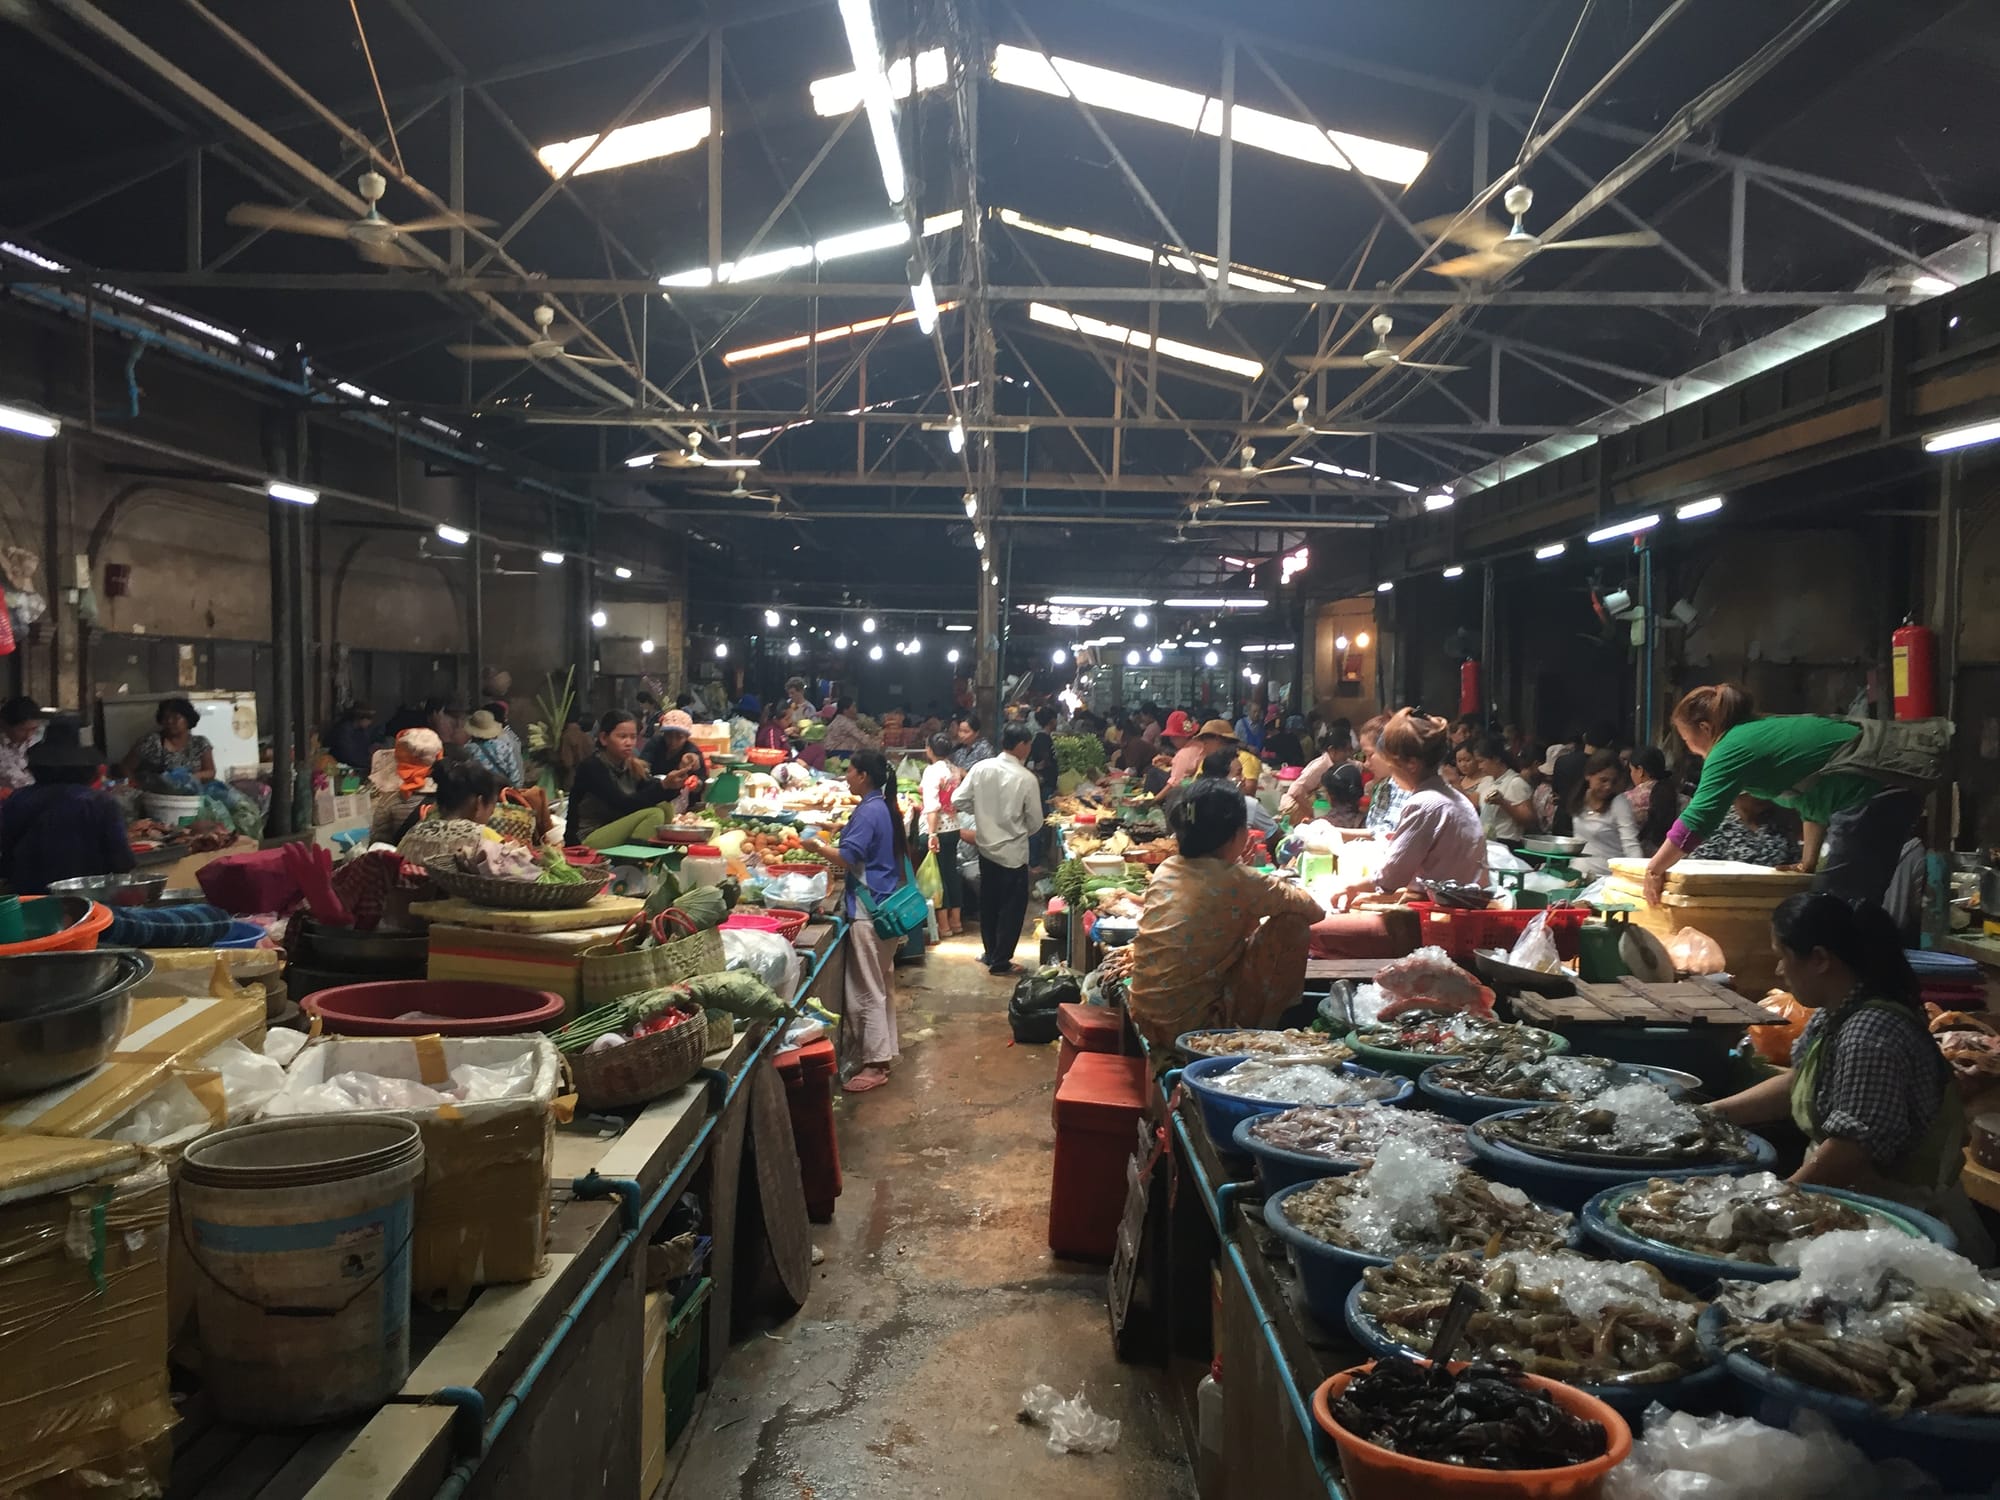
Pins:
x: 1099, y: 1104
x: 1086, y: 1028
x: 808, y: 1076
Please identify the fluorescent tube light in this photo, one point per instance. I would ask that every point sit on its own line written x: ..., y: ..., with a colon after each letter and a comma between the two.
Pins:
x: 452, y: 534
x: 1454, y: 571
x: 827, y: 335
x: 291, y: 494
x: 641, y: 460
x: 842, y: 92
x: 553, y: 559
x: 924, y: 304
x: 644, y: 140
x: 1099, y: 601
x: 959, y: 629
x: 1385, y: 586
x: 1442, y: 500
x: 621, y: 572
x: 1624, y: 528
x: 863, y: 42
x: 28, y: 422
x: 862, y: 242
x: 1216, y: 603
x: 1962, y: 437
x: 1553, y: 549
x: 1694, y: 510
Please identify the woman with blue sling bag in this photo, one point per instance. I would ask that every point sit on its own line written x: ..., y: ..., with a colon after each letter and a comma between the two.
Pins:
x: 876, y: 850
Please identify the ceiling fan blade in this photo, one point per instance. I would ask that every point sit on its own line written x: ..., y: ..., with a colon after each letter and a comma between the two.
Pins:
x: 1473, y: 233
x: 390, y: 254
x: 443, y: 221
x: 487, y: 351
x: 287, y: 220
x: 1410, y: 364
x: 1326, y: 362
x: 1479, y: 263
x: 1227, y: 504
x: 1638, y: 239
x: 593, y: 359
x: 1337, y: 431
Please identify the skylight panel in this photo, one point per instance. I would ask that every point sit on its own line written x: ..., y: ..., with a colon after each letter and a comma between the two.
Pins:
x: 842, y: 92
x: 825, y: 335
x: 1132, y: 338
x: 645, y: 140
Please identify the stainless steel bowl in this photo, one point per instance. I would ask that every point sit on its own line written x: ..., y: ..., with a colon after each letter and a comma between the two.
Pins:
x: 113, y: 890
x: 61, y: 1014
x: 1548, y: 843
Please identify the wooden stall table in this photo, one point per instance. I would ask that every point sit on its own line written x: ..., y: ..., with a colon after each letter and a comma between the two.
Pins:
x: 1689, y: 1024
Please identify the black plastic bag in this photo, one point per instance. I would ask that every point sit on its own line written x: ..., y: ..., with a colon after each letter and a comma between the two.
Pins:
x: 1032, y: 1011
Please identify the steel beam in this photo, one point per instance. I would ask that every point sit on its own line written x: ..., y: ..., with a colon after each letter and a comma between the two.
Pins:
x: 1044, y: 518
x: 954, y: 479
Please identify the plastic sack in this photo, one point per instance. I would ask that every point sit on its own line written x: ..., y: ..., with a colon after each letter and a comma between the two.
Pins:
x: 929, y: 881
x: 1429, y: 979
x: 1073, y: 1426
x: 1695, y: 952
x: 1535, y: 949
x: 765, y: 954
x: 1033, y: 1009
x: 1684, y: 1457
x: 799, y: 892
x: 1774, y: 1043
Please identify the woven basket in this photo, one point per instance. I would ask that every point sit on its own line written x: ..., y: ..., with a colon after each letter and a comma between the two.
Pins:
x: 721, y: 1030
x: 637, y: 1072
x: 604, y: 973
x: 681, y: 961
x: 521, y: 895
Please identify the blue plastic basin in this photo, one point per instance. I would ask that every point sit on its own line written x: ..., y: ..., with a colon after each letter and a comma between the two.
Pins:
x: 1221, y: 1112
x: 1467, y: 1108
x: 1963, y: 1453
x: 1569, y: 1185
x: 1698, y: 1392
x: 1279, y: 1167
x: 1699, y: 1273
x: 241, y: 935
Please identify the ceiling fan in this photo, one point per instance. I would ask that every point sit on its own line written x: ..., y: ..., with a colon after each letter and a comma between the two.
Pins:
x: 742, y: 491
x: 548, y: 346
x: 1383, y: 356
x: 1245, y: 468
x: 1300, y: 424
x: 1212, y: 499
x: 373, y: 237
x: 1496, y: 251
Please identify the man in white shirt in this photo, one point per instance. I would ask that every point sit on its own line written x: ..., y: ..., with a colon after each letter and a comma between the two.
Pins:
x: 1000, y: 803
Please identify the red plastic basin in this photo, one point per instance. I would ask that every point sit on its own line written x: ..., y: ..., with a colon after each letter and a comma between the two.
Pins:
x: 443, y: 1007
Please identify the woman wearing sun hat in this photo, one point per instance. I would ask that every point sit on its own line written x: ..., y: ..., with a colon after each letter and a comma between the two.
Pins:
x: 62, y: 826
x: 493, y: 745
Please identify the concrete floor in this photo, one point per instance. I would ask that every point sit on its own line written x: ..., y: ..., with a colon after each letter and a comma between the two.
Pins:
x: 938, y: 1303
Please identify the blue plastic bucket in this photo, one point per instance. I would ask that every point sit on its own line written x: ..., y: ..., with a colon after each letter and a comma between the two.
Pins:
x: 1571, y: 1185
x: 1699, y: 1273
x: 1221, y: 1112
x: 1698, y: 1392
x: 1467, y: 1108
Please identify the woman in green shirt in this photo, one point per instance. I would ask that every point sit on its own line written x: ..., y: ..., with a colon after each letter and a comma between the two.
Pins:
x: 1849, y: 780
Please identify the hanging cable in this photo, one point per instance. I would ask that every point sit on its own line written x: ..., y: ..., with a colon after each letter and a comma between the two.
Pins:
x: 376, y: 78
x: 1554, y: 78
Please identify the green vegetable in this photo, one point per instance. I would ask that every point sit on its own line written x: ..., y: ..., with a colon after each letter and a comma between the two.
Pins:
x: 556, y: 870
x: 1081, y: 753
x: 738, y: 992
x: 705, y: 906
x: 1070, y: 880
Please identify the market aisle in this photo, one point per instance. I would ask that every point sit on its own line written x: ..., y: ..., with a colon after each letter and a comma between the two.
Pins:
x: 938, y: 1303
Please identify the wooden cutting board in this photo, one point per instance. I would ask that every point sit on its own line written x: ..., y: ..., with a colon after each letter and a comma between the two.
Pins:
x: 604, y: 911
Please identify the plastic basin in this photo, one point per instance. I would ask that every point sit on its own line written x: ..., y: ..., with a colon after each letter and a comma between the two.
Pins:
x: 1571, y: 1185
x: 73, y: 937
x: 1467, y: 1108
x: 241, y: 935
x: 1414, y: 1064
x: 1376, y: 1473
x: 447, y: 1007
x: 1962, y: 1453
x: 1697, y: 1392
x: 1699, y: 1273
x: 1279, y: 1167
x: 1221, y: 1112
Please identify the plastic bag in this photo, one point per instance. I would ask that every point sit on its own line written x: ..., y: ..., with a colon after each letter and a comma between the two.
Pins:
x: 1430, y: 980
x: 929, y: 881
x: 1535, y: 949
x: 1684, y: 1457
x: 1774, y: 1043
x: 799, y: 892
x: 1695, y: 952
x: 765, y: 954
x: 1073, y: 1426
x: 1035, y: 1005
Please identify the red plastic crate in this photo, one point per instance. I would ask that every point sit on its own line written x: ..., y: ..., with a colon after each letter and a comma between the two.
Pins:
x: 1098, y: 1107
x: 1460, y: 932
x: 808, y: 1074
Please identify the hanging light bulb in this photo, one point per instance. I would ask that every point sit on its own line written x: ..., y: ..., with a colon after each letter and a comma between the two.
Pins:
x: 794, y: 649
x: 1361, y: 640
x: 599, y: 618
x: 1131, y: 658
x: 1211, y: 660
x: 952, y: 656
x: 868, y: 626
x: 721, y: 650
x: 646, y: 648
x: 771, y: 617
x: 971, y: 505
x: 875, y: 652
x: 1155, y: 656
x: 1059, y: 656
x: 1142, y: 619
x: 840, y: 641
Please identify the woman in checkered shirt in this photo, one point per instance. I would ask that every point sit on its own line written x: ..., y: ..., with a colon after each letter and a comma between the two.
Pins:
x: 1867, y: 1084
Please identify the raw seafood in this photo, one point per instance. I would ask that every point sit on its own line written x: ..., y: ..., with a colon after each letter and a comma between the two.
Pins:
x: 1294, y: 1081
x: 1483, y: 1417
x: 1409, y: 1200
x: 1562, y: 1315
x: 1529, y: 1076
x: 1243, y: 1041
x: 1902, y: 1323
x: 1357, y: 1134
x: 1741, y: 1218
x: 1635, y: 1121
x: 1461, y: 1035
x: 1429, y: 980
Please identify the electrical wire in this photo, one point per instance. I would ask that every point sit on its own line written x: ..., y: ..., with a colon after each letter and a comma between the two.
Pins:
x: 1548, y: 93
x: 376, y: 78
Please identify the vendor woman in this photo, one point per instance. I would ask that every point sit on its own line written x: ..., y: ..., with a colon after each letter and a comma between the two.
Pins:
x: 1851, y: 780
x: 1867, y: 1084
x: 1437, y: 834
x: 615, y: 799
x: 172, y: 746
x: 1219, y: 944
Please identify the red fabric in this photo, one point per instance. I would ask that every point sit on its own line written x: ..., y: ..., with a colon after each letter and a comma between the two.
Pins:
x: 6, y: 627
x: 1369, y: 934
x: 256, y: 881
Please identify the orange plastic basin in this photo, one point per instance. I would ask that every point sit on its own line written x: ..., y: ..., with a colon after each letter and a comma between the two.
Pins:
x: 1375, y: 1473
x: 79, y: 937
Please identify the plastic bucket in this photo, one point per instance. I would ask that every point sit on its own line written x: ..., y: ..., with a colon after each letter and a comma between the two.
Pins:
x: 299, y: 1230
x: 1376, y: 1473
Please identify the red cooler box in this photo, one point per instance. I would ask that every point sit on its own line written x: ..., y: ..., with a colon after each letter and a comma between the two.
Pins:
x: 1086, y: 1028
x: 1098, y: 1107
x: 808, y: 1073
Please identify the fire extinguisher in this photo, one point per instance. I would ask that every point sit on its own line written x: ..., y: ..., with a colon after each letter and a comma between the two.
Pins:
x: 1468, y: 686
x: 1913, y: 666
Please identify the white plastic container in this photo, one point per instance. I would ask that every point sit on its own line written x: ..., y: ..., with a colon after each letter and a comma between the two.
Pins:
x: 702, y: 865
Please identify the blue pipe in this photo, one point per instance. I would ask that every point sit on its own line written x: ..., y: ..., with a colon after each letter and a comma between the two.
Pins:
x: 635, y: 1217
x: 1300, y: 1412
